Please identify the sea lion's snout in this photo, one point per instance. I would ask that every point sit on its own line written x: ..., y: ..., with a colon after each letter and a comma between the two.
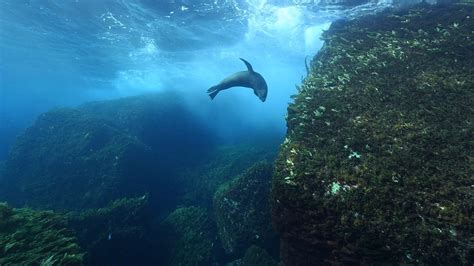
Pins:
x: 260, y: 87
x: 262, y: 95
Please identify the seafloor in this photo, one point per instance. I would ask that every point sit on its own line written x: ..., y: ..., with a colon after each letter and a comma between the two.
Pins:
x: 377, y: 166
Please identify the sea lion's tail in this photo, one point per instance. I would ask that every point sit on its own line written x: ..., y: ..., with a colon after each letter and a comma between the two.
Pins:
x: 213, y: 91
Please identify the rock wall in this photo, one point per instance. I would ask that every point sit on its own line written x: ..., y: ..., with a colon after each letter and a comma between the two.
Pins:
x: 377, y: 165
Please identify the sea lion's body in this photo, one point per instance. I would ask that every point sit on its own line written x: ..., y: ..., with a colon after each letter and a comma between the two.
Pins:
x: 248, y: 79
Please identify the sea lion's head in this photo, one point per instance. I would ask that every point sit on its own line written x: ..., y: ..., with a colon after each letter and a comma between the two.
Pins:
x: 260, y: 88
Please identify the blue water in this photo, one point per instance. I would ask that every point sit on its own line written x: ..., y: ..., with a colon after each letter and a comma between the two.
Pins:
x: 66, y: 52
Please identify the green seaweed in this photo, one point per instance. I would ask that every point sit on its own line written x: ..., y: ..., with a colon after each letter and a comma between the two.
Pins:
x: 377, y: 162
x: 29, y: 237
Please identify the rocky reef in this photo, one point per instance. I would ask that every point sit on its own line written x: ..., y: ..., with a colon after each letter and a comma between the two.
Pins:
x: 377, y: 165
x: 242, y: 211
x: 93, y: 165
x: 29, y: 237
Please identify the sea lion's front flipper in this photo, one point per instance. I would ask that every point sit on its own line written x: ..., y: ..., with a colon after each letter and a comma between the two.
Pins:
x: 249, y: 66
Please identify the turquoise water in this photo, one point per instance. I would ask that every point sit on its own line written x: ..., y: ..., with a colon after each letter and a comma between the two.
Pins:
x: 63, y: 53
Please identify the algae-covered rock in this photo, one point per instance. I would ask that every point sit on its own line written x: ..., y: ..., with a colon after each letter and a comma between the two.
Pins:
x: 163, y: 122
x: 71, y: 160
x: 242, y: 210
x: 83, y: 158
x: 224, y: 163
x: 188, y: 237
x: 378, y: 165
x: 118, y: 234
x: 29, y: 237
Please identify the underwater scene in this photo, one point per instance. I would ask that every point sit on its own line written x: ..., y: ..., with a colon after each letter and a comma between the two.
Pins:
x: 236, y: 132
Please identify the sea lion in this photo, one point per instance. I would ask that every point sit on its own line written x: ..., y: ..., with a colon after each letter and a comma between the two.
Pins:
x: 248, y: 79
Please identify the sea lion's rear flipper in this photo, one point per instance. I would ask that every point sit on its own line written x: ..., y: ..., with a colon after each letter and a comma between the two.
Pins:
x: 213, y: 91
x: 249, y: 66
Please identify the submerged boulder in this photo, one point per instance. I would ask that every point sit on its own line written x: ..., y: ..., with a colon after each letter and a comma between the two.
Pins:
x: 29, y: 237
x: 224, y: 163
x: 377, y: 164
x: 242, y: 211
x: 163, y: 122
x: 73, y: 159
